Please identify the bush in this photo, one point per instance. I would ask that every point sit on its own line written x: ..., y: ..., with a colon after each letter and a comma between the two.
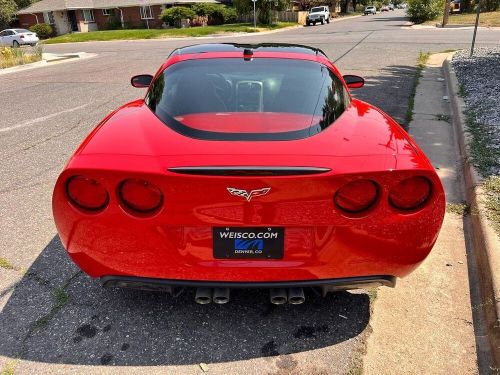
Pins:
x: 174, y: 15
x: 217, y: 13
x: 43, y: 30
x: 424, y: 10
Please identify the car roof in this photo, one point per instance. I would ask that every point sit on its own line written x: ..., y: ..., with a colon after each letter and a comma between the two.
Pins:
x: 235, y: 47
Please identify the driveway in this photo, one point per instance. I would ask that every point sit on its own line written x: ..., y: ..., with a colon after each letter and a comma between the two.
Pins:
x: 54, y: 319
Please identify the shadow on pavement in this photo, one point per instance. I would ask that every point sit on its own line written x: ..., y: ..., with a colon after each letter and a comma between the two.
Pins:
x: 389, y: 90
x: 97, y: 326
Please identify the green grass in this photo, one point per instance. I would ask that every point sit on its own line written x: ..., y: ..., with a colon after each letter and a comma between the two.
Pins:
x: 488, y: 19
x: 421, y: 61
x: 492, y: 202
x: 163, y: 33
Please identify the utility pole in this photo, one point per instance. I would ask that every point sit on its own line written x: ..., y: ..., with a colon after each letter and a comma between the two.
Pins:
x: 254, y: 18
x: 446, y: 13
x: 478, y: 10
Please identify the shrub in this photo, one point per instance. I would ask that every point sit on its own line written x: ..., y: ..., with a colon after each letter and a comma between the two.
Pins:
x: 174, y: 15
x: 217, y: 13
x: 114, y: 23
x: 423, y: 10
x: 43, y: 30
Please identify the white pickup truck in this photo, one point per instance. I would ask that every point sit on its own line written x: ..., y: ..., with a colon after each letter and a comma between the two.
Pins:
x: 318, y: 14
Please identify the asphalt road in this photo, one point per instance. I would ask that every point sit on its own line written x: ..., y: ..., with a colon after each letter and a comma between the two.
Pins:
x: 46, y: 112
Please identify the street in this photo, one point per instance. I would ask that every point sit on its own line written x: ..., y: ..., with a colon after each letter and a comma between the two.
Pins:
x: 45, y: 113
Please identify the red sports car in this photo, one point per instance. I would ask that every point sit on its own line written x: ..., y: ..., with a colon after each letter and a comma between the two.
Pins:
x: 248, y: 166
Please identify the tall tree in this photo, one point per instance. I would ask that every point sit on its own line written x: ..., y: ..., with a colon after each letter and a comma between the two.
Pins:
x: 7, y: 10
x: 264, y: 8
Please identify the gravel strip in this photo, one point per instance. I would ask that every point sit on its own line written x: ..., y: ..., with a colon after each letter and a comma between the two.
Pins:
x: 480, y: 78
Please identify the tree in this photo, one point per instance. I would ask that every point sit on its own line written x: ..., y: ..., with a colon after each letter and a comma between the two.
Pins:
x: 264, y: 8
x: 174, y: 15
x: 423, y: 10
x: 7, y: 10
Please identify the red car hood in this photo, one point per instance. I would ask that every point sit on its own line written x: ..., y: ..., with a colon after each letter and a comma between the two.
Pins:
x: 361, y: 131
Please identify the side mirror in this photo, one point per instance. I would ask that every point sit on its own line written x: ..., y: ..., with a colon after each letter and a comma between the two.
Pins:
x: 354, y: 82
x: 141, y: 80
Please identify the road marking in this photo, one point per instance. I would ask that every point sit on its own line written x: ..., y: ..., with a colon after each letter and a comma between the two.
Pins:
x: 41, y: 119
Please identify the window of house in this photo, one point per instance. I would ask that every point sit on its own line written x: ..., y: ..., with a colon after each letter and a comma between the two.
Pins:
x: 146, y: 13
x: 48, y: 17
x: 88, y: 15
x: 107, y: 12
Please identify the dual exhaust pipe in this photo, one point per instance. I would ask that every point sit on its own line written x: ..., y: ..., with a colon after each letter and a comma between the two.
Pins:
x: 278, y: 296
x: 205, y: 296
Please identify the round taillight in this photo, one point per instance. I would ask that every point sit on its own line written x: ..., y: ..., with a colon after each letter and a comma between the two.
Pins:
x: 87, y: 193
x: 140, y: 195
x: 356, y: 196
x: 410, y: 193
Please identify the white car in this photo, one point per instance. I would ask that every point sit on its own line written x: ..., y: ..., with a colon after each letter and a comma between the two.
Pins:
x: 370, y: 10
x: 318, y: 14
x: 17, y: 37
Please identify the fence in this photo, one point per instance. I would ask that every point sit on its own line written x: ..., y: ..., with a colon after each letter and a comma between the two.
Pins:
x: 281, y: 16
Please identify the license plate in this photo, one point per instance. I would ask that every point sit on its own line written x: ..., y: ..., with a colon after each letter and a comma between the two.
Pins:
x: 248, y: 242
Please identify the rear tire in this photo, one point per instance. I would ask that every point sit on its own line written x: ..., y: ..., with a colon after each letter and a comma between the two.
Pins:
x: 322, y: 21
x: 328, y: 20
x: 314, y: 23
x: 15, y: 44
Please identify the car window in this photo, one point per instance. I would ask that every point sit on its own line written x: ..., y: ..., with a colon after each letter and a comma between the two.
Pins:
x: 2, y: 33
x: 20, y: 31
x: 317, y: 9
x: 238, y: 99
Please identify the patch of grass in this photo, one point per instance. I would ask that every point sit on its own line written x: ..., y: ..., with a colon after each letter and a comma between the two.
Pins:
x: 492, y: 201
x: 458, y: 208
x: 4, y: 263
x: 10, y: 57
x: 372, y: 293
x: 487, y: 19
x: 61, y: 299
x: 443, y: 117
x: 421, y: 61
x: 484, y: 155
x: 8, y: 369
x: 461, y: 91
x: 129, y: 34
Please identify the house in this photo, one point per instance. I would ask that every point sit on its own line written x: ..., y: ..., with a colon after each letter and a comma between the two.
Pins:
x: 67, y: 16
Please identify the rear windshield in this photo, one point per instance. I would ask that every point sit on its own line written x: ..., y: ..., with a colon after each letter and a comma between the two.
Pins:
x: 238, y: 99
x: 20, y: 31
x: 317, y: 10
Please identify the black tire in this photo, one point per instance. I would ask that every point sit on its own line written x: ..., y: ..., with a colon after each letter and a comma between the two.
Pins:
x: 314, y: 23
x: 322, y: 21
x: 15, y: 44
x: 328, y: 20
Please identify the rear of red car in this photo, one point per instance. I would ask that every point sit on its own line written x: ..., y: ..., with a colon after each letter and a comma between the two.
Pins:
x: 249, y: 188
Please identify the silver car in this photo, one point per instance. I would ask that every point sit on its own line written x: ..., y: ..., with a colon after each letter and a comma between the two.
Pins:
x: 17, y: 37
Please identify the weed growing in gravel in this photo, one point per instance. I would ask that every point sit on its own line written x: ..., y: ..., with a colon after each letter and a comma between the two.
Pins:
x: 484, y: 156
x: 492, y: 201
x: 443, y: 117
x: 421, y: 61
x: 461, y: 91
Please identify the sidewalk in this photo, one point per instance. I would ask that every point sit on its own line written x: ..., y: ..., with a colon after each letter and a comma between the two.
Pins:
x: 425, y: 325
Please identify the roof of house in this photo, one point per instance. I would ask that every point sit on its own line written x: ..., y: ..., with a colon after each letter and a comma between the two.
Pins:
x: 51, y: 5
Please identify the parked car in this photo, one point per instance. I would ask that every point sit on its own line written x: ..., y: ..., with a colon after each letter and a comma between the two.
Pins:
x: 370, y: 10
x: 17, y: 37
x: 385, y: 8
x: 318, y: 14
x: 390, y: 6
x: 248, y: 166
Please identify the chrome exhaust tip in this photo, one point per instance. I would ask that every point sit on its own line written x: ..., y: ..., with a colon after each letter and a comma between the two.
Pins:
x: 203, y: 296
x: 278, y: 296
x: 220, y: 295
x: 296, y: 296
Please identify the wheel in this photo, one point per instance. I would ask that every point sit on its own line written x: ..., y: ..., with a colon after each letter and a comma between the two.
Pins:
x: 314, y: 23
x: 322, y: 21
x: 15, y: 44
x: 33, y: 44
x: 328, y: 20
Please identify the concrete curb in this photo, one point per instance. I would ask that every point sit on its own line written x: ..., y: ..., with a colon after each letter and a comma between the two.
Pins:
x: 485, y: 240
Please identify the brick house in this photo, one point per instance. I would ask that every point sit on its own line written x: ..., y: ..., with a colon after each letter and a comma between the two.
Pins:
x: 67, y: 16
